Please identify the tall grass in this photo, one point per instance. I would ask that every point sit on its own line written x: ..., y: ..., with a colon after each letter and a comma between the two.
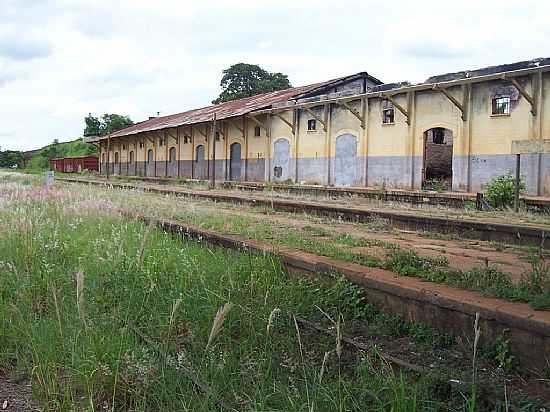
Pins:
x: 71, y: 336
x: 70, y: 287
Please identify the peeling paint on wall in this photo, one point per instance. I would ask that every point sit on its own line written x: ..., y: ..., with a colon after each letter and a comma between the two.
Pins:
x: 281, y: 160
x: 345, y: 161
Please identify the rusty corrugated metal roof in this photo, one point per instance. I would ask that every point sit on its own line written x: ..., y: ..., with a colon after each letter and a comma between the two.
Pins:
x: 224, y: 110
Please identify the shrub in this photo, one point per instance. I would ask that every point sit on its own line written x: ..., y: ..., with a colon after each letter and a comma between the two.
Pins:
x: 500, y: 191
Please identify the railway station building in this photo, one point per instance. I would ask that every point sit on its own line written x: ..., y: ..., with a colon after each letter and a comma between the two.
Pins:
x: 454, y: 129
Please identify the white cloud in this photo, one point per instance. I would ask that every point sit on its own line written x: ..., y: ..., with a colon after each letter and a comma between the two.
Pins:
x: 60, y: 59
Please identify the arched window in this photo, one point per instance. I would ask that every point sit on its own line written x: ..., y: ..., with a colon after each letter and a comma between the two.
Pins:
x: 131, y: 157
x: 116, y: 157
x: 149, y: 155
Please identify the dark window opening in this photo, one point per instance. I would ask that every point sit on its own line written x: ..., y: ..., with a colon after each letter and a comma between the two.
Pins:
x: 132, y: 157
x: 501, y: 105
x: 141, y: 145
x: 278, y: 171
x: 439, y: 135
x: 217, y: 136
x: 186, y: 139
x: 311, y: 125
x: 257, y: 131
x: 123, y: 147
x: 388, y: 112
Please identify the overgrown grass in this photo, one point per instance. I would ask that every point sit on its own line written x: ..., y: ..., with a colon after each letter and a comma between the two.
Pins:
x: 534, y: 287
x: 81, y: 354
x: 333, y: 244
x: 76, y: 278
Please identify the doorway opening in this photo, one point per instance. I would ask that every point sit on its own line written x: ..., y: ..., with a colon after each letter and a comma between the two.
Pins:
x: 172, y: 163
x: 235, y: 161
x: 438, y: 159
x: 150, y: 166
x: 200, y: 164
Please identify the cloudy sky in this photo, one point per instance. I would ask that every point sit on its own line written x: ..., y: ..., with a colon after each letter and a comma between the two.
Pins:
x: 61, y: 59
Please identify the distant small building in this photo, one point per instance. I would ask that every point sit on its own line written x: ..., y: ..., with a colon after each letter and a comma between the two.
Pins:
x: 75, y: 164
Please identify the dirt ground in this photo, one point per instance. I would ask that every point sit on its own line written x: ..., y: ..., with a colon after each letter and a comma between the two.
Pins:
x: 462, y: 254
x: 16, y: 397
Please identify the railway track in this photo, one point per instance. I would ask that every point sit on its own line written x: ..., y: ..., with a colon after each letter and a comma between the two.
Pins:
x: 526, y: 235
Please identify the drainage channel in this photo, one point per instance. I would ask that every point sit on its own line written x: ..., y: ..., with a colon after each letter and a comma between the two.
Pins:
x: 498, y: 232
x: 444, y: 308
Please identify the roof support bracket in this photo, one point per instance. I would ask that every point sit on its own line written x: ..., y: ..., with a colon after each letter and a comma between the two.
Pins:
x: 172, y: 136
x: 234, y: 124
x: 205, y: 135
x: 291, y: 125
x: 259, y: 123
x: 453, y: 100
x: 525, y: 95
x: 398, y: 107
x: 307, y: 109
x: 353, y: 112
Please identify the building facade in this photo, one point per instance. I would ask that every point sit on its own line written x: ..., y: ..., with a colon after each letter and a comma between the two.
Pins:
x: 454, y: 130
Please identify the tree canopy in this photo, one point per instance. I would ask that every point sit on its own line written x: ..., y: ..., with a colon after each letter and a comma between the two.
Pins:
x: 244, y: 80
x: 11, y: 158
x: 108, y: 123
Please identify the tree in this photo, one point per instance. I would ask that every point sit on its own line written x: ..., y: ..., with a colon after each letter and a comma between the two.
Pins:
x: 108, y: 123
x: 51, y: 152
x: 11, y: 158
x: 93, y: 125
x: 244, y: 80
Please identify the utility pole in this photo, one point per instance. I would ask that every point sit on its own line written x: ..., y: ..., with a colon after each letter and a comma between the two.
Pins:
x: 213, y: 137
x: 108, y: 154
x: 517, y: 183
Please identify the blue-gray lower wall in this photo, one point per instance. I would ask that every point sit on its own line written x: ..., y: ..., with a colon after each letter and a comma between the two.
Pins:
x: 381, y: 171
x: 394, y: 171
x: 484, y: 168
x: 255, y: 170
x: 312, y: 170
x: 545, y: 175
x: 186, y: 169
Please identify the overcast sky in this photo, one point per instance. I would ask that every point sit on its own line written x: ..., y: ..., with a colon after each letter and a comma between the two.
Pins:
x: 61, y: 59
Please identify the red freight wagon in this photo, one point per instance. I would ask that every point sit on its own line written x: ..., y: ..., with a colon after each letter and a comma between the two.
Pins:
x: 75, y: 164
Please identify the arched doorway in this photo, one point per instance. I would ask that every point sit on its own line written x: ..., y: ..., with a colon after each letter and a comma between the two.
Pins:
x: 235, y: 161
x: 437, y: 171
x: 172, y: 163
x: 345, y: 161
x: 150, y: 165
x: 281, y: 160
x: 116, y: 170
x: 131, y: 164
x: 200, y: 164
